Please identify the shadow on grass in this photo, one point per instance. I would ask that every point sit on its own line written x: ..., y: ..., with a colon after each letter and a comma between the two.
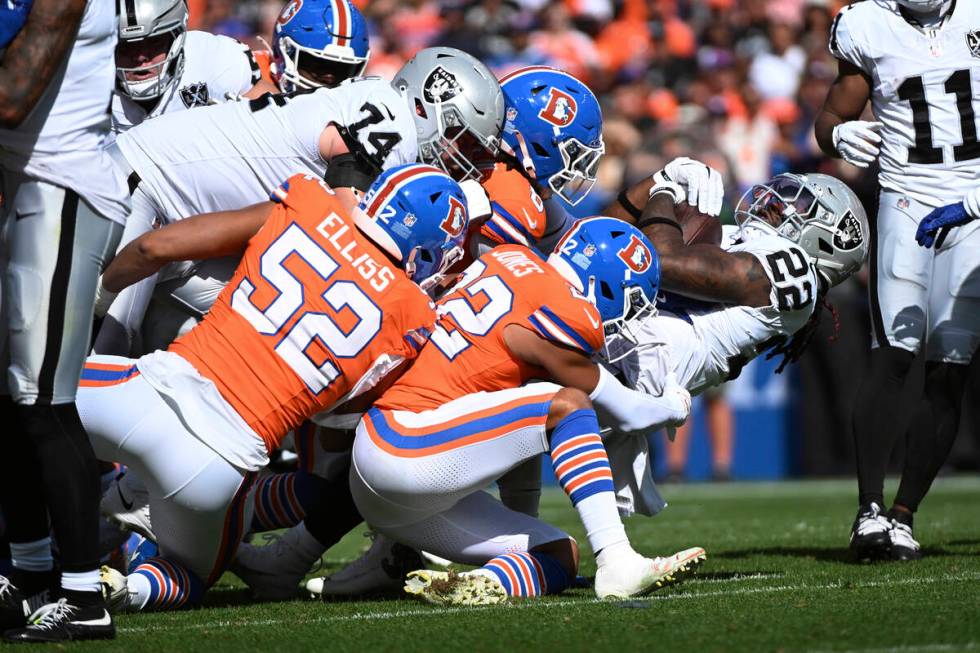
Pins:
x: 820, y: 554
x: 229, y: 597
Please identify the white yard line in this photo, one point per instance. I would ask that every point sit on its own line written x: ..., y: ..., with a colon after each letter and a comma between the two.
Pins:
x: 912, y: 648
x: 438, y: 612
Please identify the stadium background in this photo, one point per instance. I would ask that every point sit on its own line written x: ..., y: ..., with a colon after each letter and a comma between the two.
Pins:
x: 736, y: 83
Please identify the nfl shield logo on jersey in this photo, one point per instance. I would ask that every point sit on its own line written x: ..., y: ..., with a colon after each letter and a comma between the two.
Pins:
x: 456, y: 219
x: 973, y: 42
x: 560, y: 110
x: 195, y: 95
x: 636, y: 256
x: 440, y: 86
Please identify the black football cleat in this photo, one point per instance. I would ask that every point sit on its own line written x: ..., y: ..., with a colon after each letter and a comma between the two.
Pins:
x: 904, y: 547
x: 24, y: 593
x: 63, y: 622
x: 871, y: 533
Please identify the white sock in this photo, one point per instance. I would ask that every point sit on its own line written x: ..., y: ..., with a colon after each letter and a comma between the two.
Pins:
x: 81, y: 581
x: 614, y: 551
x: 32, y: 556
x: 600, y: 516
x: 137, y: 591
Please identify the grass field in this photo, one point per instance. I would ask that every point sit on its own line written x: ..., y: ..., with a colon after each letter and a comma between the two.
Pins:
x: 778, y: 577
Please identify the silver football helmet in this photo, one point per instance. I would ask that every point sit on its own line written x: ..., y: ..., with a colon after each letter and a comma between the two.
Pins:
x: 148, y: 29
x: 458, y: 108
x: 922, y: 6
x: 817, y: 212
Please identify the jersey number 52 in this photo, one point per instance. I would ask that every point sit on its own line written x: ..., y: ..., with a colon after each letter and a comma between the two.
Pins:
x: 293, y: 346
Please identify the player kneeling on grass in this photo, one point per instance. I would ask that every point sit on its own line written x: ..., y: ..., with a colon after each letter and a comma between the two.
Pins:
x: 467, y: 412
x: 323, y: 306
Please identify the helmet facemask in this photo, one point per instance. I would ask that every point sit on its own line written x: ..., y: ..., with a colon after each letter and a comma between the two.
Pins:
x: 458, y: 150
x: 580, y: 167
x: 624, y: 329
x: 308, y: 68
x: 165, y: 72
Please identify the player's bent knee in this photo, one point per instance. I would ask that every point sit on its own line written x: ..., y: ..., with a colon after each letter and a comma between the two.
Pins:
x: 565, y: 402
x: 564, y: 551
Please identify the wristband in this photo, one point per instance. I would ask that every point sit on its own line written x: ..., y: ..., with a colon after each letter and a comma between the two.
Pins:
x: 647, y: 222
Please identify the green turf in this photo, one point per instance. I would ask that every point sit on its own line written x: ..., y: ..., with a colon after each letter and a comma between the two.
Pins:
x: 777, y: 578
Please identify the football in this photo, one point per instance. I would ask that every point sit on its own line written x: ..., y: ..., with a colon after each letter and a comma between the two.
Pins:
x: 698, y: 227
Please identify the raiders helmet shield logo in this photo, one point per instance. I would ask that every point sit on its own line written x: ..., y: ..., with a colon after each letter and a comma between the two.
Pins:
x: 848, y: 235
x: 440, y: 86
x: 636, y: 255
x: 290, y: 10
x: 195, y: 95
x: 973, y: 42
x: 455, y: 220
x: 560, y: 110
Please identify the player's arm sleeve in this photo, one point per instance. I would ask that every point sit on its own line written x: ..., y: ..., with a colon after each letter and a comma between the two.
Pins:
x: 845, y: 43
x: 630, y: 411
x: 558, y: 221
x: 121, y: 326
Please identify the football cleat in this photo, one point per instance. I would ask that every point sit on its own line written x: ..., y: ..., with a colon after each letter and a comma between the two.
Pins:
x: 115, y: 590
x: 17, y: 602
x: 452, y: 588
x: 381, y: 570
x: 273, y: 572
x: 870, y: 534
x: 127, y: 503
x: 903, y: 545
x: 634, y: 575
x: 62, y: 622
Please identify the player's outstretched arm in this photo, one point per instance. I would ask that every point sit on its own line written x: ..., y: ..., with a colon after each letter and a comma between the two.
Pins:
x: 624, y: 409
x: 838, y: 131
x: 701, y: 271
x: 203, y: 236
x: 34, y: 56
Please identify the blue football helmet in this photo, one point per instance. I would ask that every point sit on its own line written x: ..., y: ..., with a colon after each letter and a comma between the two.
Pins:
x: 418, y: 215
x: 318, y: 43
x: 554, y: 129
x: 616, y: 267
x: 13, y: 15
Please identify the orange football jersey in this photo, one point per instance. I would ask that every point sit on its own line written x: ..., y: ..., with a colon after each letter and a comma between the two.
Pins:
x: 314, y: 311
x: 518, y: 212
x: 509, y: 284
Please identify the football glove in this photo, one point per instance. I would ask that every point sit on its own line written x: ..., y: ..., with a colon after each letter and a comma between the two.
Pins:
x: 702, y: 186
x: 858, y: 141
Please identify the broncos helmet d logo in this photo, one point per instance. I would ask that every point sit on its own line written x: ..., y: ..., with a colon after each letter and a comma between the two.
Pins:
x: 289, y: 11
x: 455, y: 221
x: 636, y: 255
x: 560, y: 110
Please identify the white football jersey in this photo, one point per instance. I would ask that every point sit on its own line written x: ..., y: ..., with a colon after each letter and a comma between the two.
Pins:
x: 62, y: 140
x: 925, y: 90
x: 706, y: 344
x: 216, y: 69
x: 231, y: 155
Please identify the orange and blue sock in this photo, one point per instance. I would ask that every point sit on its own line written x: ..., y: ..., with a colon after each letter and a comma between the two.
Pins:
x: 529, y: 574
x: 161, y: 584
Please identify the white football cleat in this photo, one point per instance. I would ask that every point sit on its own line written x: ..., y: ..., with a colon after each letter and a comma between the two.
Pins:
x: 115, y: 590
x: 273, y: 572
x: 381, y: 570
x: 634, y: 575
x: 452, y: 588
x: 127, y: 503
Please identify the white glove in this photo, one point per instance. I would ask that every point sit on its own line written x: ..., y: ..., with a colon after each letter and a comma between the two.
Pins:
x: 680, y: 398
x: 858, y: 141
x: 972, y: 203
x: 103, y: 299
x: 703, y: 184
x: 477, y: 201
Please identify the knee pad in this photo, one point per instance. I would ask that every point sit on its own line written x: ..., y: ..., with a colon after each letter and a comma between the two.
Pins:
x: 26, y: 292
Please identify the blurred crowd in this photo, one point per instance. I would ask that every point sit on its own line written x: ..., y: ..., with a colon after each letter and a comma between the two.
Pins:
x: 736, y: 83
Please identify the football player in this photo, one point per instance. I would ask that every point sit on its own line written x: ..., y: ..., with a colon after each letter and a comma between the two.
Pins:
x: 63, y: 209
x: 161, y: 67
x: 318, y: 43
x: 324, y: 305
x: 466, y: 413
x: 918, y: 62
